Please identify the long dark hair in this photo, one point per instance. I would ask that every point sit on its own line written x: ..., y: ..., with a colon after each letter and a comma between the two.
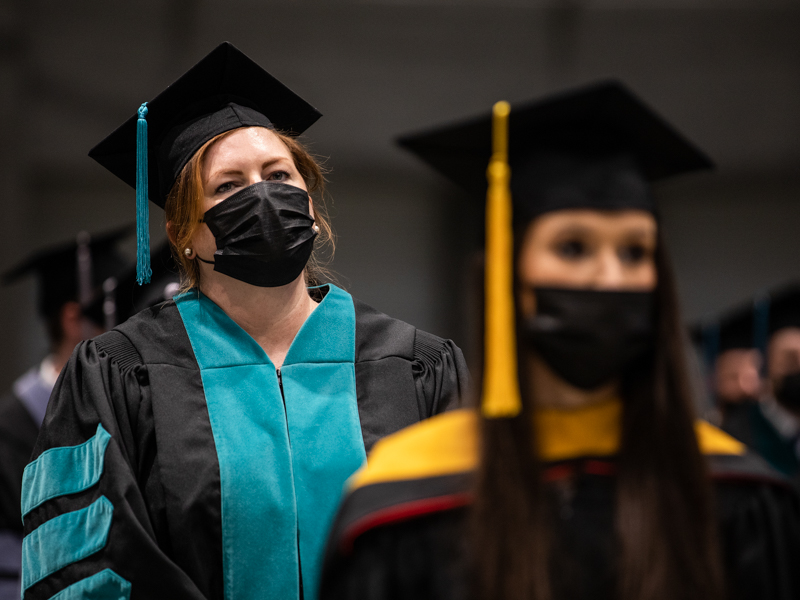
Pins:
x: 665, y: 525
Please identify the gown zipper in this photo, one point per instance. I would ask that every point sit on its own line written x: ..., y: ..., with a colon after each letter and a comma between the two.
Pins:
x: 280, y: 385
x: 297, y: 535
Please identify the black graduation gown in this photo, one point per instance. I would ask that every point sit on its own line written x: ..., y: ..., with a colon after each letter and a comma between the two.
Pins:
x: 138, y: 394
x: 398, y: 537
x: 18, y: 433
x: 747, y: 423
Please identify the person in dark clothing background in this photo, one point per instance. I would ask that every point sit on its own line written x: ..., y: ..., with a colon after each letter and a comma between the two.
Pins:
x: 783, y: 365
x: 783, y: 347
x: 739, y: 385
x: 70, y: 277
x: 585, y: 474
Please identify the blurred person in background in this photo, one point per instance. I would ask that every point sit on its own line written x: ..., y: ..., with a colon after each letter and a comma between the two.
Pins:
x: 126, y: 298
x: 69, y: 276
x: 782, y: 405
x: 587, y: 475
x: 199, y: 449
x: 734, y: 347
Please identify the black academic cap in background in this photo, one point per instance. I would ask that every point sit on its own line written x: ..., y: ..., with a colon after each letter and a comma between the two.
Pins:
x: 750, y: 325
x: 736, y: 329
x: 784, y: 309
x: 125, y: 298
x: 226, y: 90
x: 56, y: 268
x: 595, y: 147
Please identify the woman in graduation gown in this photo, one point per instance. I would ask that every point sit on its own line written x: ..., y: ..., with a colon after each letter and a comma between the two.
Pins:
x: 199, y: 449
x: 585, y: 473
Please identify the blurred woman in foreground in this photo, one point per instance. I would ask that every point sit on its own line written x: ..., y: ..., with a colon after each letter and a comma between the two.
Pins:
x: 587, y: 475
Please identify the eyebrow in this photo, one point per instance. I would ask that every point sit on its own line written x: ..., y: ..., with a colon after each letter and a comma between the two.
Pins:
x: 267, y: 163
x: 573, y: 229
x: 225, y: 172
x: 645, y: 233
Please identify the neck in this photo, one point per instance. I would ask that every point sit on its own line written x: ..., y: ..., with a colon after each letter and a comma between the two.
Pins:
x: 550, y: 391
x: 272, y: 316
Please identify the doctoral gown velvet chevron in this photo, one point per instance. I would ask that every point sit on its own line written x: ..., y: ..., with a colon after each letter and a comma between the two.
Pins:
x: 175, y: 461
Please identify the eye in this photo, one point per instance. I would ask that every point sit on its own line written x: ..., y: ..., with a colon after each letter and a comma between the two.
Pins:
x: 633, y: 253
x: 571, y: 249
x: 225, y: 187
x: 278, y: 176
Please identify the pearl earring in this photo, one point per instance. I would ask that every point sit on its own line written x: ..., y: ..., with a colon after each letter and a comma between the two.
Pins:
x: 316, y: 228
x: 189, y: 253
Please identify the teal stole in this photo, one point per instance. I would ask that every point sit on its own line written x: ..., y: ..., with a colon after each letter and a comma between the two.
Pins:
x: 283, y: 458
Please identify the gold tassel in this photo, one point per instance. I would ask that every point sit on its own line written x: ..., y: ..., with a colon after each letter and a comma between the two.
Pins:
x: 501, y: 396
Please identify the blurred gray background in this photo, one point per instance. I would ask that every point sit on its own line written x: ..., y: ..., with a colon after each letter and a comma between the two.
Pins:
x: 725, y: 72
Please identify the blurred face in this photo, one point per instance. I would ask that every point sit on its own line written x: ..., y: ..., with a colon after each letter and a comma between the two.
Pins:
x: 246, y: 156
x: 784, y: 353
x: 588, y: 249
x: 736, y: 375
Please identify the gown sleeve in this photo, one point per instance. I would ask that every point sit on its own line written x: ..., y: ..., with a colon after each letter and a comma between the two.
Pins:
x: 89, y: 526
x: 761, y: 540
x: 440, y: 374
x: 18, y: 433
x: 17, y: 437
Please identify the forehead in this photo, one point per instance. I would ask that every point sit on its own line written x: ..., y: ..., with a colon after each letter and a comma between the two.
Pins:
x: 244, y: 145
x: 599, y: 220
x: 737, y: 358
x: 784, y: 339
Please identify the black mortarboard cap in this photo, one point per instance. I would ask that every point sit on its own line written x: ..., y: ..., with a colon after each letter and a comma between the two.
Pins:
x: 737, y: 329
x: 751, y: 325
x: 226, y: 90
x: 56, y: 268
x: 784, y: 309
x: 595, y: 147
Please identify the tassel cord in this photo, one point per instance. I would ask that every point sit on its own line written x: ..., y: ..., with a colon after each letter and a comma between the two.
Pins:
x: 143, y: 270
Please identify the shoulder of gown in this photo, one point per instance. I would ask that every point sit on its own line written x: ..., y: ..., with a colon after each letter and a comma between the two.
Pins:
x: 410, y: 499
x: 758, y: 510
x: 437, y: 364
x: 399, y: 528
x: 403, y: 374
x: 427, y: 468
x: 421, y: 470
x: 379, y: 336
x: 157, y: 334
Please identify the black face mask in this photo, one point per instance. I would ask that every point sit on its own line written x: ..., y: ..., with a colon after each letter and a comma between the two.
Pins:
x: 264, y: 234
x: 788, y: 394
x: 589, y: 337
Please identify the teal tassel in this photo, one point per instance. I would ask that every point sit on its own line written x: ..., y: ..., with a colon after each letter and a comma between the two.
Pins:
x: 143, y: 270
